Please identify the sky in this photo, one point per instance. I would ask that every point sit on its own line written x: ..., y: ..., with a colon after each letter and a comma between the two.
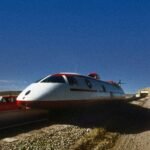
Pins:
x: 109, y: 37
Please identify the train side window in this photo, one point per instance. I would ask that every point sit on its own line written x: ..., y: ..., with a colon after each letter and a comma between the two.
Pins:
x: 104, y: 89
x: 72, y: 80
x: 88, y: 83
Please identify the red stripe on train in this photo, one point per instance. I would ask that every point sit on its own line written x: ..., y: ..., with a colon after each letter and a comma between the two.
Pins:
x: 57, y: 104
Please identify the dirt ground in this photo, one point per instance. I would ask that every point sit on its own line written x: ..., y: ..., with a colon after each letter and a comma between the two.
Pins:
x: 113, y: 125
x: 138, y: 140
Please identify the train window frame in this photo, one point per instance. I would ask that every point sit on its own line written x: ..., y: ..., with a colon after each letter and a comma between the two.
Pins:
x: 54, y: 79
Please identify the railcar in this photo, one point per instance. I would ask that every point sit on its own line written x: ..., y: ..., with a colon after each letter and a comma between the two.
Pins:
x: 68, y: 89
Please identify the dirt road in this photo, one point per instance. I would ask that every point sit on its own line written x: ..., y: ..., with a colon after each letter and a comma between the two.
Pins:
x: 139, y: 140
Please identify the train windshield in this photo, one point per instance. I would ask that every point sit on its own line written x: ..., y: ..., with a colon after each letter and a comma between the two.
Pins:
x: 54, y: 79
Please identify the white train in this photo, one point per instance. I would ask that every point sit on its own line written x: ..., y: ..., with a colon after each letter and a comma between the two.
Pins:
x: 68, y: 89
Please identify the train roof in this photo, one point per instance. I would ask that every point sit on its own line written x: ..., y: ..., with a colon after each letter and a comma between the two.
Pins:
x: 85, y: 76
x: 76, y: 74
x: 70, y: 74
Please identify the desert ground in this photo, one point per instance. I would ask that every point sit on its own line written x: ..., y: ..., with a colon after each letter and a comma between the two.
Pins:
x: 114, y: 125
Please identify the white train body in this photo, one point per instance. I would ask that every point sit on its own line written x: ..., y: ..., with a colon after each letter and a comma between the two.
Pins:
x: 65, y: 89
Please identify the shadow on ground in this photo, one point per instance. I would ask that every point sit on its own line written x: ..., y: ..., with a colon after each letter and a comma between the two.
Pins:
x: 114, y: 116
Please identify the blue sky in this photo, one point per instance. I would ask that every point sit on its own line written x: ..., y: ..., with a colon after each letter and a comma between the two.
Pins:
x: 109, y: 37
